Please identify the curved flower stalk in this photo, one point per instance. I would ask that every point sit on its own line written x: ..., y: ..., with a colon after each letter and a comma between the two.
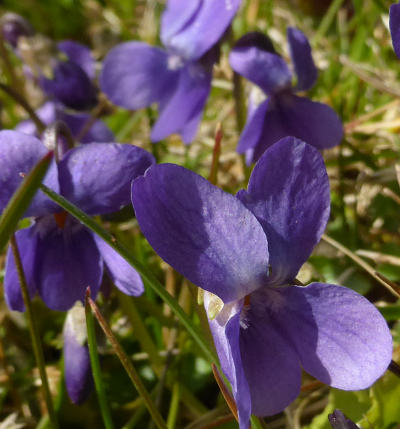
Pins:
x: 394, y: 24
x: 283, y: 113
x: 59, y: 255
x: 77, y: 368
x: 246, y: 251
x: 178, y: 77
x: 51, y: 112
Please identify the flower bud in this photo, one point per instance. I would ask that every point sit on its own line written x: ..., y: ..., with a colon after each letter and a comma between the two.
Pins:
x: 77, y: 369
x: 13, y: 26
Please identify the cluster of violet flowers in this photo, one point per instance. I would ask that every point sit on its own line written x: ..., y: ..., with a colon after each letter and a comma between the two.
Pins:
x: 243, y: 250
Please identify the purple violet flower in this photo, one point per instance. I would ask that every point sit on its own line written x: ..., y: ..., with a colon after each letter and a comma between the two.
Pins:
x: 59, y: 255
x: 51, y: 112
x: 394, y: 24
x: 246, y: 251
x: 283, y: 113
x: 178, y: 78
x: 71, y: 83
x: 77, y: 368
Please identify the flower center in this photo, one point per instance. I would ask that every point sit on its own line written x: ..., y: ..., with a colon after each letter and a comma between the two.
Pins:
x: 60, y: 219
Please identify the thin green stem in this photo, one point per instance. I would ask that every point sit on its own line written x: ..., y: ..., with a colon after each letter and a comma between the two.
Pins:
x: 96, y: 370
x: 148, y: 278
x: 139, y: 328
x: 327, y: 20
x: 127, y: 363
x: 34, y: 333
x: 174, y: 407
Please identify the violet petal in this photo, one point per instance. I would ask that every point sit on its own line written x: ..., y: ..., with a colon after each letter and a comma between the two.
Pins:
x: 341, y: 338
x: 27, y: 242
x: 300, y: 52
x: 394, y: 24
x: 125, y: 277
x: 79, y: 54
x: 267, y: 70
x: 19, y: 154
x: 289, y: 194
x: 97, y: 176
x: 204, y: 233
x: 77, y: 368
x: 225, y: 329
x: 290, y: 115
x: 204, y: 28
x: 136, y: 75
x: 185, y: 105
x: 68, y: 262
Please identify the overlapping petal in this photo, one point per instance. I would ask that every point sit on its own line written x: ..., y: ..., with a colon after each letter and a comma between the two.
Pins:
x: 300, y: 52
x: 205, y: 27
x: 185, y: 105
x: 26, y: 241
x: 67, y: 263
x: 266, y: 69
x: 225, y: 329
x: 136, y: 75
x: 176, y: 16
x: 122, y: 274
x: 253, y: 129
x: 270, y: 362
x: 289, y: 194
x: 70, y: 85
x: 19, y: 154
x: 204, y: 233
x: 97, y: 176
x: 394, y: 24
x: 353, y: 344
x: 290, y: 115
x: 79, y: 54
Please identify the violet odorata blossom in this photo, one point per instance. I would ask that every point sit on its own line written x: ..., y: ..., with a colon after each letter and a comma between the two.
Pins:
x: 394, y: 25
x: 283, y: 113
x: 77, y: 368
x: 59, y: 255
x: 72, y: 80
x: 246, y: 251
x: 178, y: 77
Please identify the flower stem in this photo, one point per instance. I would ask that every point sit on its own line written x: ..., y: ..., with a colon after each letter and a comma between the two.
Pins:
x: 21, y: 101
x: 95, y: 363
x: 126, y: 362
x: 34, y: 333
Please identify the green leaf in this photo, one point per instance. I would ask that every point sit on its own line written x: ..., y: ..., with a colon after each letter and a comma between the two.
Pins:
x: 21, y: 199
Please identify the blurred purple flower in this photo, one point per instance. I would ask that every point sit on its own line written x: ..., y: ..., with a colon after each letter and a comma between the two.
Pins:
x: 59, y: 255
x: 178, y: 78
x: 71, y: 82
x: 77, y: 368
x: 246, y: 251
x: 51, y: 112
x: 13, y: 26
x: 394, y: 24
x: 339, y: 421
x: 283, y: 113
